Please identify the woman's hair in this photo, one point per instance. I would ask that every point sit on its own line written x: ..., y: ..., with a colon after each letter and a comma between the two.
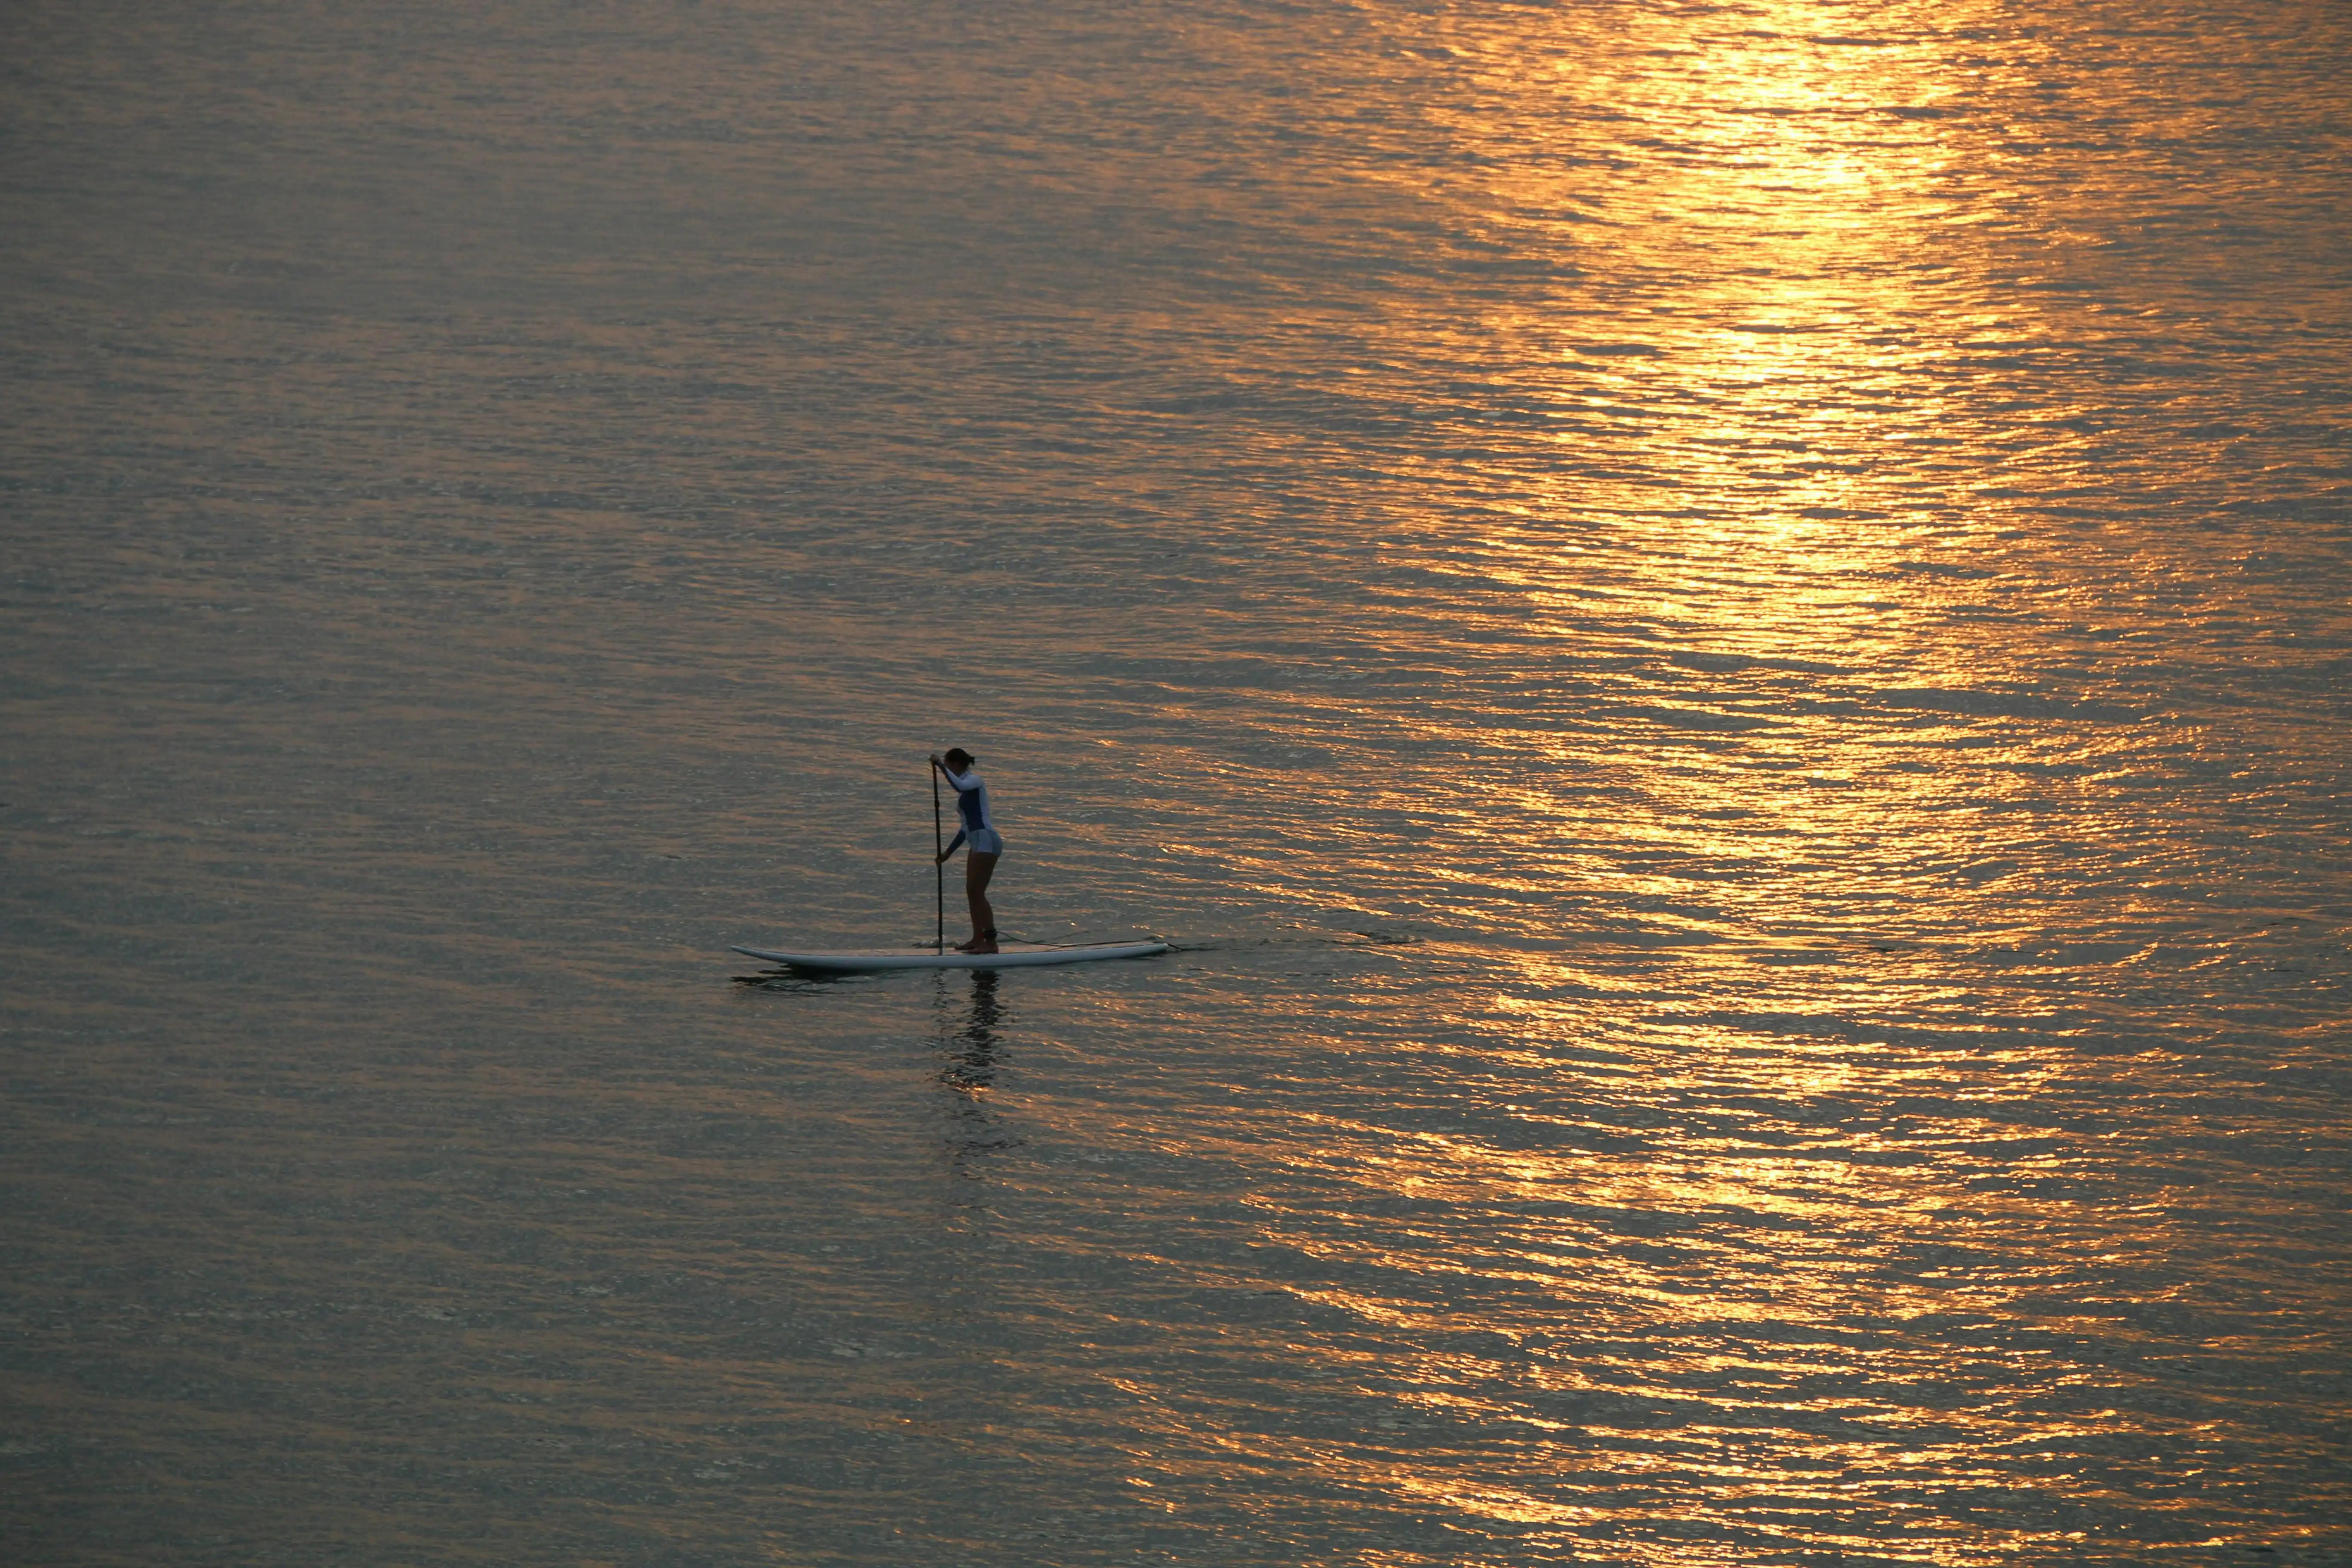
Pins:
x: 961, y: 760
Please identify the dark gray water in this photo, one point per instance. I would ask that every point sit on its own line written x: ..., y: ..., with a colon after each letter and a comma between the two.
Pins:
x: 1720, y: 631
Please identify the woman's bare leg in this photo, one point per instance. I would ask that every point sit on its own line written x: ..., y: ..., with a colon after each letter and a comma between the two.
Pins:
x: 977, y: 870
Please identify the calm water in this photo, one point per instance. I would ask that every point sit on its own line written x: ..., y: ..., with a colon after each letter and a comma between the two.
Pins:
x: 1721, y: 631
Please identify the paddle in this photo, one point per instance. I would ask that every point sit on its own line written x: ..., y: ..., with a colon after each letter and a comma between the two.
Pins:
x: 938, y: 864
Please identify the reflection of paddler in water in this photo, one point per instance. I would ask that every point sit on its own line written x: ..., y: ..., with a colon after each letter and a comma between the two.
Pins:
x: 972, y: 1052
x: 968, y: 1062
x: 975, y: 828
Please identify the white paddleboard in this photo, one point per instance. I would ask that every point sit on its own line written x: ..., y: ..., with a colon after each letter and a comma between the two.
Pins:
x: 1015, y: 955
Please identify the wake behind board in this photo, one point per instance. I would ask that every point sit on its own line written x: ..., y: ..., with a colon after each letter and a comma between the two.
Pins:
x: 1015, y: 956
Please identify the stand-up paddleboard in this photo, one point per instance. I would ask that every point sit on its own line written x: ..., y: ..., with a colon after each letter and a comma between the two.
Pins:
x: 1015, y: 955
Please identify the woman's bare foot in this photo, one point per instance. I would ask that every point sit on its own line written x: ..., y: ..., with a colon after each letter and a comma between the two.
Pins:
x: 985, y: 943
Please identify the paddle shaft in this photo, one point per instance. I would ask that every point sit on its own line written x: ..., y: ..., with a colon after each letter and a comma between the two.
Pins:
x: 938, y: 865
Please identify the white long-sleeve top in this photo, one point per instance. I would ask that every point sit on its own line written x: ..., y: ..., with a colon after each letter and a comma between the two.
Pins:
x: 972, y: 803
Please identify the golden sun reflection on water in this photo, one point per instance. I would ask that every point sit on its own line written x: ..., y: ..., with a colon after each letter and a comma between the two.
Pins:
x: 1763, y: 479
x: 1791, y: 243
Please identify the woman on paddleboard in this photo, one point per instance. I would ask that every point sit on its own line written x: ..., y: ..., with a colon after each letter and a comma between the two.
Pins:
x: 974, y: 827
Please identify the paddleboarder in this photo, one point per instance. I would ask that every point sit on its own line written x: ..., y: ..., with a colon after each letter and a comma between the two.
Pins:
x: 975, y: 828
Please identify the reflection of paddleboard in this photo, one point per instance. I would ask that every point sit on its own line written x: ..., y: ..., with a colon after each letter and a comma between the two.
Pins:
x: 1016, y: 956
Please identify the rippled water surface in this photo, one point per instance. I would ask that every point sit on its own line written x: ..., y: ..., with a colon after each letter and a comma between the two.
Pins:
x: 1720, y: 632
